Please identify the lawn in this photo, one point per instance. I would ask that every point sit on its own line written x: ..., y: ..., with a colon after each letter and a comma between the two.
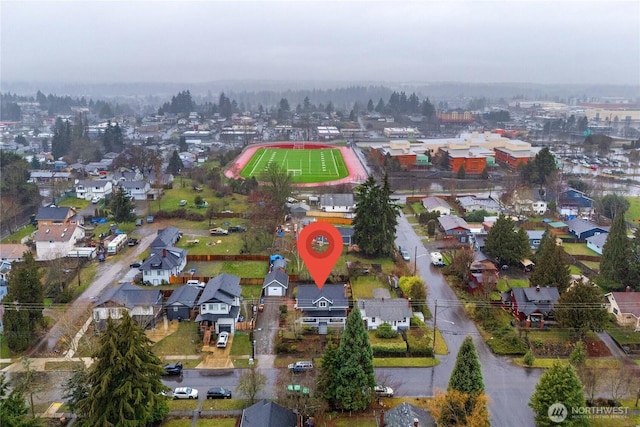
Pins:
x: 62, y: 366
x: 251, y: 292
x: 183, y: 190
x: 504, y: 284
x: 624, y: 336
x: 241, y: 345
x: 185, y: 341
x: 633, y: 214
x: 547, y: 362
x: 316, y: 165
x: 223, y: 404
x: 202, y: 422
x: 249, y: 269
x: 404, y: 362
x: 574, y: 269
x: 19, y: 235
x: 216, y: 245
x: 363, y: 286
x: 4, y: 348
x: 417, y: 208
x: 578, y: 249
x: 74, y: 202
x: 595, y: 266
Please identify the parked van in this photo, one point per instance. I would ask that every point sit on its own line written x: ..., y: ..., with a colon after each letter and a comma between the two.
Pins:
x: 196, y: 283
x: 301, y: 366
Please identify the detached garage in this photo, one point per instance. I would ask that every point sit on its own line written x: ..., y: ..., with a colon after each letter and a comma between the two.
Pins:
x: 275, y: 283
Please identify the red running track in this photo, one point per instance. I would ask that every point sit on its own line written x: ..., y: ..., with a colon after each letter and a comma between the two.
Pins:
x: 357, y: 173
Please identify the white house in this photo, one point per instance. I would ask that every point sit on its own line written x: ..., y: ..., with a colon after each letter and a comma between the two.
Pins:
x: 626, y: 307
x: 220, y: 303
x: 395, y: 311
x: 143, y: 305
x: 57, y: 240
x: 276, y: 283
x: 89, y: 188
x: 539, y: 207
x: 339, y: 203
x: 162, y: 264
x: 136, y: 189
x: 436, y: 204
x: 596, y: 242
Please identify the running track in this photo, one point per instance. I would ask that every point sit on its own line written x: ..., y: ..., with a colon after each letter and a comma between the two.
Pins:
x: 357, y: 174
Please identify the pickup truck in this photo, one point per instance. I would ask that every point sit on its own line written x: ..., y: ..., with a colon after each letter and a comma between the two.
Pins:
x: 218, y: 231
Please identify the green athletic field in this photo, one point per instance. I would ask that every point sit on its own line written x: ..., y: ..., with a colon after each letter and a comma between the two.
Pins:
x: 313, y: 165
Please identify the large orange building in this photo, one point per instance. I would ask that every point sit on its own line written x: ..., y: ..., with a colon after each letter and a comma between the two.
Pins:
x: 514, y: 153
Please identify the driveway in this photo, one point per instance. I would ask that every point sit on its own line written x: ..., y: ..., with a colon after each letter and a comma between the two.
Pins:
x: 508, y: 386
x: 267, y: 327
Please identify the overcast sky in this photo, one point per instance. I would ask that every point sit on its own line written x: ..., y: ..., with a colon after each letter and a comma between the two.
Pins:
x: 424, y: 41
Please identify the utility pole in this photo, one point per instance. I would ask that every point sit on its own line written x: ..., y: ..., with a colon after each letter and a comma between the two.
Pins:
x: 435, y: 317
x: 415, y: 261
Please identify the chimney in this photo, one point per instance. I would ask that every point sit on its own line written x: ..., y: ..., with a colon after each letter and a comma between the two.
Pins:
x: 416, y: 422
x: 164, y: 253
x: 538, y: 288
x: 627, y: 289
x: 382, y: 418
x: 409, y: 302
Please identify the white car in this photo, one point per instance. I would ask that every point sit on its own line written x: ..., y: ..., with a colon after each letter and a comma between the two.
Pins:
x: 382, y: 391
x: 222, y: 339
x: 95, y: 200
x: 185, y: 393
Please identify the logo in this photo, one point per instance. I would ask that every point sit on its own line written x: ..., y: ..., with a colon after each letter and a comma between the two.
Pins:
x: 557, y: 412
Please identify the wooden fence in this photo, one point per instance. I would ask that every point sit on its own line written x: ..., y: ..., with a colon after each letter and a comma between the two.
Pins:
x: 242, y: 257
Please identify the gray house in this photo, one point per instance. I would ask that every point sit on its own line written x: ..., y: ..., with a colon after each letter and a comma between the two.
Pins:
x: 584, y: 229
x: 535, y: 237
x: 453, y: 225
x: 166, y: 237
x: 220, y: 303
x: 324, y: 307
x: 436, y: 204
x: 276, y: 283
x: 596, y: 243
x: 181, y: 302
x: 268, y: 414
x: 395, y: 311
x: 144, y: 305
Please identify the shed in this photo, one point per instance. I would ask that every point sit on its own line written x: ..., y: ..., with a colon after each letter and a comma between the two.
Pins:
x: 181, y: 302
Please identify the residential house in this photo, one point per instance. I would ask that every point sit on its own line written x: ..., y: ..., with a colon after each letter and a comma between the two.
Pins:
x: 182, y: 302
x: 347, y: 235
x: 339, y: 203
x: 436, y: 204
x: 276, y: 283
x: 164, y: 179
x: 474, y: 203
x: 5, y: 269
x: 573, y: 202
x: 626, y: 307
x: 482, y: 273
x: 166, y: 237
x: 59, y: 229
x: 539, y: 207
x: 45, y: 176
x: 162, y: 264
x: 406, y: 415
x: 93, y: 188
x: 535, y: 237
x: 268, y: 414
x: 532, y: 305
x: 11, y: 252
x: 299, y: 209
x: 143, y: 305
x: 584, y: 229
x: 126, y: 176
x: 220, y: 303
x: 136, y: 189
x: 453, y: 225
x: 58, y: 216
x: 322, y: 307
x: 596, y: 242
x: 395, y: 311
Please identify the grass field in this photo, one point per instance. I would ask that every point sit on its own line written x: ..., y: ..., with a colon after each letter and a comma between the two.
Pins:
x: 317, y: 165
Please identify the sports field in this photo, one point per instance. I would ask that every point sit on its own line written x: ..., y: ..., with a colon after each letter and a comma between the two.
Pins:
x: 304, y: 165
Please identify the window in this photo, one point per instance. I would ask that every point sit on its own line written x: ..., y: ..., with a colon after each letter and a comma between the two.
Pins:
x: 615, y: 310
x: 373, y: 320
x: 211, y: 307
x: 322, y: 304
x: 175, y: 309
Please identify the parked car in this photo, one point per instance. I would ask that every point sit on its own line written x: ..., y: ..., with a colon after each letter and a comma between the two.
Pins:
x: 301, y: 366
x: 133, y: 242
x: 381, y: 391
x: 404, y: 253
x: 183, y: 202
x: 223, y: 337
x: 237, y: 229
x: 185, y: 393
x: 135, y: 264
x: 139, y: 222
x: 173, y: 368
x: 149, y: 219
x: 218, y: 393
x: 95, y: 200
x: 196, y: 283
x: 218, y: 231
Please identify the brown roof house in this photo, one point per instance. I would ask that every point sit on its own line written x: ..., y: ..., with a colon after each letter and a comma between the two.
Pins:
x: 626, y: 307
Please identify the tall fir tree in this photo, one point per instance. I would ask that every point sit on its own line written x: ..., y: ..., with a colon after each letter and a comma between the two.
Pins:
x: 328, y: 373
x: 506, y: 243
x: 124, y: 381
x: 580, y: 310
x: 616, y: 255
x: 21, y: 314
x: 121, y: 205
x: 175, y: 164
x: 356, y: 370
x: 13, y: 407
x: 552, y: 265
x: 559, y: 384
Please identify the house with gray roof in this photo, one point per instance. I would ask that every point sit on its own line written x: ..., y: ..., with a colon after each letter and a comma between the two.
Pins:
x: 596, y: 243
x: 89, y: 188
x: 324, y: 307
x: 474, y: 203
x: 532, y: 305
x: 339, y: 203
x: 163, y: 263
x: 276, y: 283
x: 268, y: 414
x: 436, y: 204
x: 144, y: 305
x: 299, y: 209
x: 535, y: 237
x: 182, y: 302
x: 395, y: 311
x: 406, y: 415
x: 166, y: 237
x: 220, y: 303
x: 583, y: 229
x: 453, y: 225
x: 136, y: 189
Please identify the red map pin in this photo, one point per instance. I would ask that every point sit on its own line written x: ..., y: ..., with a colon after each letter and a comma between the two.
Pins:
x: 320, y: 264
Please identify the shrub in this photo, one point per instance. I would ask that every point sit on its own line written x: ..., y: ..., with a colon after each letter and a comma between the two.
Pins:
x: 390, y: 348
x: 528, y: 358
x: 385, y: 331
x: 283, y: 308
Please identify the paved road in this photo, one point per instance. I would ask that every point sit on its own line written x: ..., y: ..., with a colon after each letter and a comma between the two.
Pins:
x: 508, y: 386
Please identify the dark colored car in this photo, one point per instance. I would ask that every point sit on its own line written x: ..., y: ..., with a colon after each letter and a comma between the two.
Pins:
x: 218, y: 393
x: 173, y: 368
x: 237, y: 229
x: 133, y: 242
x: 136, y: 264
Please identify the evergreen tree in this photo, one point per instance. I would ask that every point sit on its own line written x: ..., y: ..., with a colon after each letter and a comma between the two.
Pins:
x: 553, y: 265
x: 76, y: 387
x: 61, y: 140
x: 540, y: 168
x: 376, y: 218
x: 124, y: 381
x: 370, y: 106
x: 356, y: 370
x: 328, y: 374
x: 21, y: 316
x: 580, y: 309
x: 505, y: 243
x: 466, y: 376
x: 121, y: 205
x: 559, y: 384
x: 380, y: 107
x: 183, y: 143
x: 175, y: 164
x: 616, y: 254
x: 118, y: 138
x: 461, y: 174
x: 13, y: 407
